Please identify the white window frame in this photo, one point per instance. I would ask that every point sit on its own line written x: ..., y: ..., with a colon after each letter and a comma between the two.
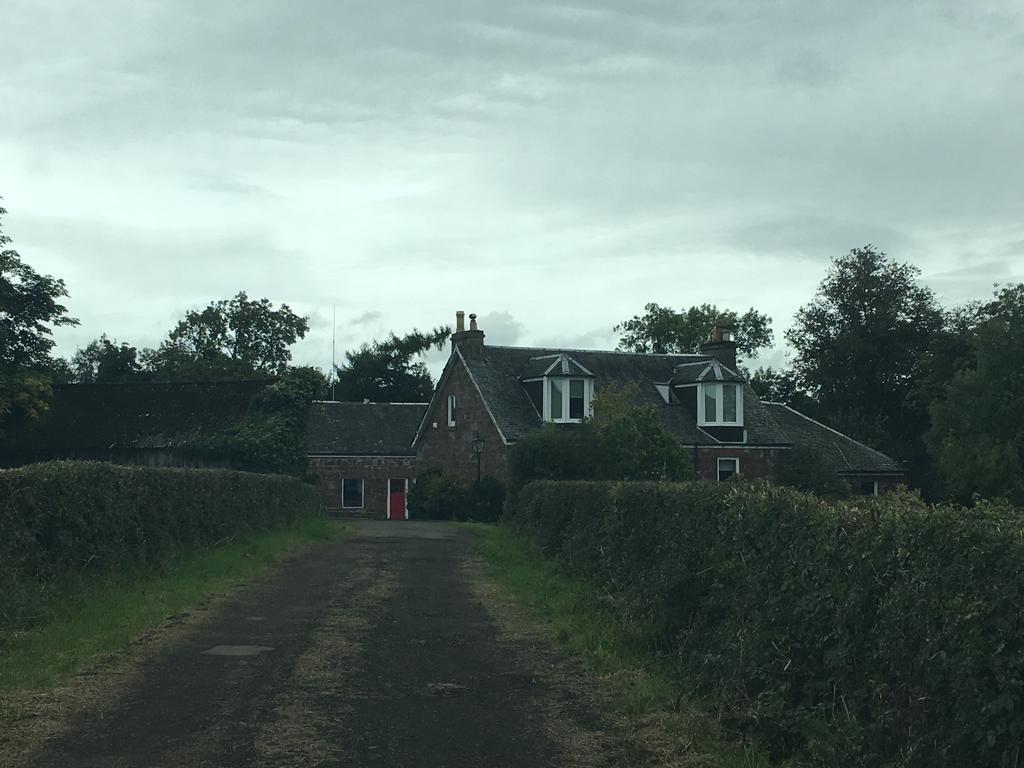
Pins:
x: 451, y: 410
x: 718, y: 467
x: 588, y: 397
x: 362, y: 493
x: 716, y: 420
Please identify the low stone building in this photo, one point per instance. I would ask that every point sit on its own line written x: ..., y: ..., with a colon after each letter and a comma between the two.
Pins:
x: 362, y: 456
x: 489, y: 397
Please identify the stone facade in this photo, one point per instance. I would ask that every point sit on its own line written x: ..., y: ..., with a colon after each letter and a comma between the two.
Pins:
x: 374, y: 471
x: 451, y: 448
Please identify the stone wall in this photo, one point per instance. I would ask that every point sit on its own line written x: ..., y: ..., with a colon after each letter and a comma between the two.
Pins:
x: 375, y: 471
x: 451, y: 448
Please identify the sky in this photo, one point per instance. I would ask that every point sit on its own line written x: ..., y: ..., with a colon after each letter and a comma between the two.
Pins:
x: 552, y: 168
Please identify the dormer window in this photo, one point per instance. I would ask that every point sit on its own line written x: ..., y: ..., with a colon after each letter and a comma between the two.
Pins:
x: 720, y: 404
x: 567, y: 399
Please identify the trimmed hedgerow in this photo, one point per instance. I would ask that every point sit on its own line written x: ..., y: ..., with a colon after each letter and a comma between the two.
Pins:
x: 880, y: 632
x: 61, y: 519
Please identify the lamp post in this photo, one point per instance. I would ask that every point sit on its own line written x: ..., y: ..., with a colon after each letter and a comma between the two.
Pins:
x: 478, y: 449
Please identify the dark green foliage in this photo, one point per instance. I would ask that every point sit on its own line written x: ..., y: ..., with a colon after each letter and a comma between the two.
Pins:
x: 104, y: 360
x: 29, y: 310
x: 60, y: 519
x: 977, y: 433
x: 387, y: 371
x: 271, y: 438
x: 438, y: 495
x: 857, y: 346
x: 229, y: 339
x: 881, y: 632
x: 804, y: 468
x: 621, y: 442
x: 663, y: 329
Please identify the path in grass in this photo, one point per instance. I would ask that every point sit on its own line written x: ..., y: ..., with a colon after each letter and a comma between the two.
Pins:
x: 382, y: 649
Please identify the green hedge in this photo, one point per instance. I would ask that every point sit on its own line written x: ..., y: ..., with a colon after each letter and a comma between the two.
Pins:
x: 61, y: 519
x: 881, y: 632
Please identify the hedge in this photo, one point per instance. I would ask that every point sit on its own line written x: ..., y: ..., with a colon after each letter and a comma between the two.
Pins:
x: 881, y: 632
x: 61, y: 519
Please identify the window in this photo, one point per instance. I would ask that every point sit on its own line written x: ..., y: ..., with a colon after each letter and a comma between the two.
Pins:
x: 451, y: 410
x: 567, y: 399
x: 352, y: 493
x: 721, y: 404
x: 869, y: 487
x: 727, y: 468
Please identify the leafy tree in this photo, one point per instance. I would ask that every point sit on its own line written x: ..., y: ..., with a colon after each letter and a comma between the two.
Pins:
x: 858, y: 343
x: 977, y: 432
x: 622, y: 441
x: 104, y: 360
x: 663, y: 329
x: 29, y: 310
x: 229, y: 339
x: 387, y: 371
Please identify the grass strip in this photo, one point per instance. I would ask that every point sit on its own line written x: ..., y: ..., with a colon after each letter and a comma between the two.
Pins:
x: 640, y: 683
x: 101, y: 614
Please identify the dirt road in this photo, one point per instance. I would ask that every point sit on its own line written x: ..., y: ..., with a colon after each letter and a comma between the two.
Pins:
x: 388, y: 648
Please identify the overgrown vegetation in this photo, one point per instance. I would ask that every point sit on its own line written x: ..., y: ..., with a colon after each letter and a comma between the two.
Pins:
x: 97, y: 614
x: 65, y: 520
x: 881, y: 632
x: 622, y: 441
x: 439, y: 495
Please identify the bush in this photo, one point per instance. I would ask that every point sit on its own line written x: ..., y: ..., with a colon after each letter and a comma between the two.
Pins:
x: 622, y: 441
x: 60, y: 519
x: 876, y: 632
x: 437, y: 495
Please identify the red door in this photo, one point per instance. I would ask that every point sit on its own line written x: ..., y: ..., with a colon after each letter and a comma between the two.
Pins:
x: 396, y: 496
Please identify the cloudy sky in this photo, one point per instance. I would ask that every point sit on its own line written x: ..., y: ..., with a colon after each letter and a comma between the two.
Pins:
x: 550, y: 167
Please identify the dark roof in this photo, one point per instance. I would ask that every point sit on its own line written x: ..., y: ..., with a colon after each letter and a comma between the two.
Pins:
x: 363, y: 429
x: 498, y: 373
x: 137, y: 415
x: 553, y: 365
x: 844, y: 453
x: 704, y: 370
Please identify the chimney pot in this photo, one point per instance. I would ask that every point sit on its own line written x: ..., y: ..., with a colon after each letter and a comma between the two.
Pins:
x: 460, y: 321
x: 472, y: 322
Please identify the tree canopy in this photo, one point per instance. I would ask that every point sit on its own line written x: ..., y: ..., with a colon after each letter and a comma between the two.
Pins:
x: 104, y: 360
x: 977, y: 432
x: 663, y: 329
x: 30, y: 308
x: 387, y: 371
x: 231, y: 338
x: 857, y: 346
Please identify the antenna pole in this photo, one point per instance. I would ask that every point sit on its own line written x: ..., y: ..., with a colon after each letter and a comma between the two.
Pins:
x: 334, y: 350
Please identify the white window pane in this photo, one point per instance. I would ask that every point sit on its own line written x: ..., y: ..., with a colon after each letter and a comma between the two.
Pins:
x: 576, y: 397
x: 710, y: 402
x: 729, y: 403
x: 556, y: 398
x: 727, y: 468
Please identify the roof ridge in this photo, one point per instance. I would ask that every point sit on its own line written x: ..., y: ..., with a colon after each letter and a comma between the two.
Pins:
x: 556, y: 350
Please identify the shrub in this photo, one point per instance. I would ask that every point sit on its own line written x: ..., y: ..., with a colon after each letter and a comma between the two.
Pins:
x: 863, y: 633
x: 60, y: 519
x: 437, y: 495
x: 622, y: 441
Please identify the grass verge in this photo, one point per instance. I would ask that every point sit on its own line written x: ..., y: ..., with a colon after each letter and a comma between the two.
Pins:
x: 639, y: 684
x: 102, y: 614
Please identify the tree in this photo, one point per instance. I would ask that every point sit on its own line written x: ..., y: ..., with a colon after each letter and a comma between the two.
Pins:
x: 857, y: 348
x: 662, y: 329
x: 977, y: 432
x: 104, y: 360
x: 387, y: 372
x: 29, y: 310
x: 229, y: 339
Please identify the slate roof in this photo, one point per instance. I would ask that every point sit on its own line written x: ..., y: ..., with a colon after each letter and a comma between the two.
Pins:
x: 363, y: 429
x: 131, y: 416
x: 704, y: 370
x: 498, y: 372
x: 844, y: 453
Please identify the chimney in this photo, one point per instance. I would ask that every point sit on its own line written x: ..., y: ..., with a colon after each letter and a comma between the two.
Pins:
x: 722, y: 346
x: 468, y: 341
